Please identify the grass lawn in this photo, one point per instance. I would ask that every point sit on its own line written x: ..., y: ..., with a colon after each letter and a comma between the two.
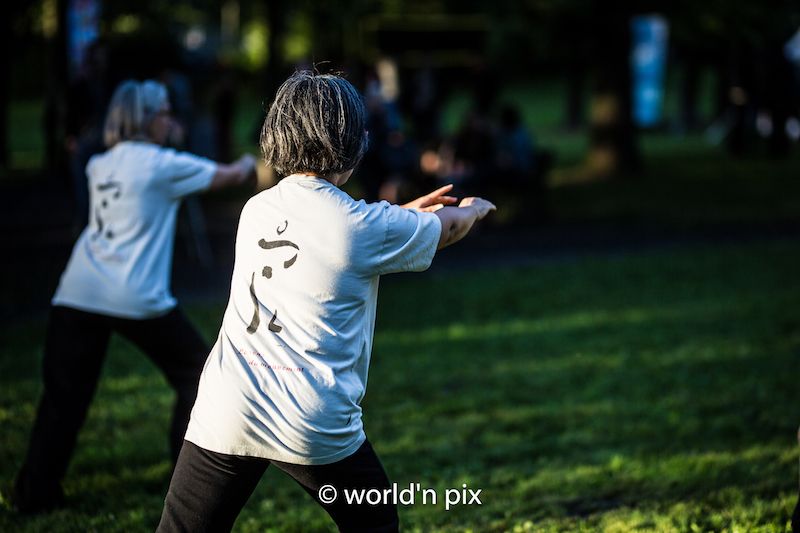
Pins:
x: 648, y: 392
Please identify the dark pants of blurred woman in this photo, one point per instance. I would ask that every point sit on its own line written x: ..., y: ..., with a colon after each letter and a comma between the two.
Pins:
x: 75, y: 349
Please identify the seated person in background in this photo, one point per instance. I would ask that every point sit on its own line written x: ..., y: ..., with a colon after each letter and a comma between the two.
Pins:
x: 521, y: 166
x: 473, y: 149
x: 514, y: 153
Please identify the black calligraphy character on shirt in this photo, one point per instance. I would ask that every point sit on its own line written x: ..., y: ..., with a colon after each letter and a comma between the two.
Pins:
x: 108, y: 191
x: 267, y: 273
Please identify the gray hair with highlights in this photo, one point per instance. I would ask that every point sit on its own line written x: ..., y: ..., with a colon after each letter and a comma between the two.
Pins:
x: 133, y: 107
x: 316, y: 125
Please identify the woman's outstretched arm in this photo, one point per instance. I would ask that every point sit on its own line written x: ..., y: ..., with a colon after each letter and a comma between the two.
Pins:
x: 457, y: 221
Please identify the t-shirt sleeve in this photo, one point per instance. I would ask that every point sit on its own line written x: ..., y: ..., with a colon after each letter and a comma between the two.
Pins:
x: 410, y: 240
x: 186, y: 173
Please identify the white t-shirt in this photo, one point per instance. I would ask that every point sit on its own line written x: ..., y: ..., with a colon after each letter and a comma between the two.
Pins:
x: 120, y: 265
x: 287, y: 374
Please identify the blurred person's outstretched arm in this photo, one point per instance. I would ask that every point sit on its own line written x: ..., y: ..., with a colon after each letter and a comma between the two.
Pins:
x: 235, y: 173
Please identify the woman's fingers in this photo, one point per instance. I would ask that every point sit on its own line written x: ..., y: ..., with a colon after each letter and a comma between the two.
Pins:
x: 435, y: 199
x: 438, y: 197
x: 441, y: 190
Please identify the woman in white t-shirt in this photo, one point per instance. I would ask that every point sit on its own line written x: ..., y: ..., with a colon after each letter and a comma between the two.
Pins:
x: 284, y: 382
x: 117, y: 280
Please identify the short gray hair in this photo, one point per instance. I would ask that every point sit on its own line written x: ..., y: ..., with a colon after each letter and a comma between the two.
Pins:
x: 132, y: 108
x: 316, y: 124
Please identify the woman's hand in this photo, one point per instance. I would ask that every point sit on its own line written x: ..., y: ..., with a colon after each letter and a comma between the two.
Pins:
x: 483, y: 207
x: 457, y: 221
x: 433, y: 201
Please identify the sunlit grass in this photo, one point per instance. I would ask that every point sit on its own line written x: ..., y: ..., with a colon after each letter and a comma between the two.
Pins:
x: 652, y: 392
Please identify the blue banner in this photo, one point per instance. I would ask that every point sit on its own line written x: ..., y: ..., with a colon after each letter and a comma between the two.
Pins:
x: 648, y: 64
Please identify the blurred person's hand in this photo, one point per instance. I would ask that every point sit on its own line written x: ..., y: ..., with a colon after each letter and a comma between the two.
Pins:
x: 71, y: 144
x: 240, y: 172
x: 249, y: 165
x: 176, y: 135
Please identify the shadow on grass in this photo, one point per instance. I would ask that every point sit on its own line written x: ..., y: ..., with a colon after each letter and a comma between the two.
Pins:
x: 652, y: 389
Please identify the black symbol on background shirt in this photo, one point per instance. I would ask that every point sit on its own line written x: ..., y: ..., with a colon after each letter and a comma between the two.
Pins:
x: 108, y: 191
x: 266, y: 271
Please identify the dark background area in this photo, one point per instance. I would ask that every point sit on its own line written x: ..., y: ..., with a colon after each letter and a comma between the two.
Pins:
x: 446, y: 80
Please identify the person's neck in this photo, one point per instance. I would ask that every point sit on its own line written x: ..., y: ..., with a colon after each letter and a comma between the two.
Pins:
x: 333, y: 179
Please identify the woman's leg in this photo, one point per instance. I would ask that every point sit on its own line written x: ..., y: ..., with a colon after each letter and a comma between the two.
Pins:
x: 362, y: 470
x: 175, y: 346
x: 75, y: 348
x: 208, y: 490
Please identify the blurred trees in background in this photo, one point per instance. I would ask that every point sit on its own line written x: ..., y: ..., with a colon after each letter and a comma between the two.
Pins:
x: 585, y: 43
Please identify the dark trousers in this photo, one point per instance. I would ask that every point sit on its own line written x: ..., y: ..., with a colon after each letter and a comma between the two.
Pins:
x: 209, y: 489
x: 74, y: 351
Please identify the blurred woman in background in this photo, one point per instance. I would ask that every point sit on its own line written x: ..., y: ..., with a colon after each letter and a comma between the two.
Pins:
x: 118, y: 280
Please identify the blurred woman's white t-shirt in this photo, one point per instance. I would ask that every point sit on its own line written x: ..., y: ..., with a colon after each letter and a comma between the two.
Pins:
x: 121, y: 264
x: 287, y: 374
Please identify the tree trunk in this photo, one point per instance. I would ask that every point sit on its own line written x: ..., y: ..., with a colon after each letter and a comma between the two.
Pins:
x: 5, y: 65
x: 576, y: 79
x: 273, y: 74
x: 327, y: 40
x: 613, y: 144
x: 54, y: 116
x: 778, y: 97
x: 688, y: 101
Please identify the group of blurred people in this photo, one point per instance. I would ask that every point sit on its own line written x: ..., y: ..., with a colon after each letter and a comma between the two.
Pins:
x: 491, y: 151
